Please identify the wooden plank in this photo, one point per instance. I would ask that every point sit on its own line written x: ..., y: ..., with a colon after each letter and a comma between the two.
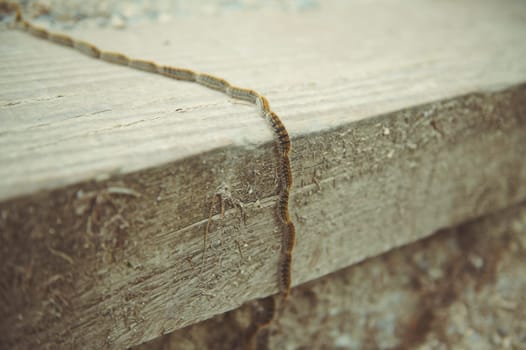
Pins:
x: 447, y: 291
x: 51, y: 96
x: 108, y: 173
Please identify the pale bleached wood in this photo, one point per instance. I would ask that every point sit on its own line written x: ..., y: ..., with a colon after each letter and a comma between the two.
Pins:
x: 107, y: 173
x: 319, y: 70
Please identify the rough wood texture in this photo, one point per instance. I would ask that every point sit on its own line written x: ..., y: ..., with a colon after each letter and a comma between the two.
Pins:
x: 108, y: 173
x: 463, y: 288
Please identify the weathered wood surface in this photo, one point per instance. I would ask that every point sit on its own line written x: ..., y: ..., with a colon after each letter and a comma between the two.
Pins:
x: 462, y: 288
x: 108, y: 173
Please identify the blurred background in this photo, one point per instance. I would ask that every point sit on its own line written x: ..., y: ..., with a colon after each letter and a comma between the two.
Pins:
x: 66, y: 14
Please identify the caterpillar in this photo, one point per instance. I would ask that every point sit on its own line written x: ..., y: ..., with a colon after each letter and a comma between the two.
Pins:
x: 281, y: 135
x: 146, y: 66
x: 263, y: 320
x: 114, y: 57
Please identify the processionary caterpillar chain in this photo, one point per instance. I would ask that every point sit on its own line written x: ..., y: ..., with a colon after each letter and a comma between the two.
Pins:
x: 280, y: 132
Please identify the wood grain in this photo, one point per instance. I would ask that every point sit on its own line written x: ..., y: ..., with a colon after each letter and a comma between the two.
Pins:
x: 402, y: 123
x: 315, y: 78
x: 442, y: 291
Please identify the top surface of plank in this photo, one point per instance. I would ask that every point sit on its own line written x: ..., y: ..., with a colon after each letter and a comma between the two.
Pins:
x: 67, y: 118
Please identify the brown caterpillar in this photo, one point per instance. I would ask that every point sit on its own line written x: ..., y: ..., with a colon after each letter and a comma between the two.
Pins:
x: 281, y: 135
x: 146, y: 66
x: 263, y: 320
x: 242, y: 94
x: 61, y: 39
x: 212, y: 82
x: 114, y: 57
x: 86, y: 48
x: 177, y: 73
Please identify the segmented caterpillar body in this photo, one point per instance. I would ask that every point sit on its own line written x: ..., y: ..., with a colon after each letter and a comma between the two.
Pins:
x: 86, y: 48
x: 177, y: 73
x: 212, y: 82
x: 114, y: 57
x: 146, y: 66
x: 281, y: 135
